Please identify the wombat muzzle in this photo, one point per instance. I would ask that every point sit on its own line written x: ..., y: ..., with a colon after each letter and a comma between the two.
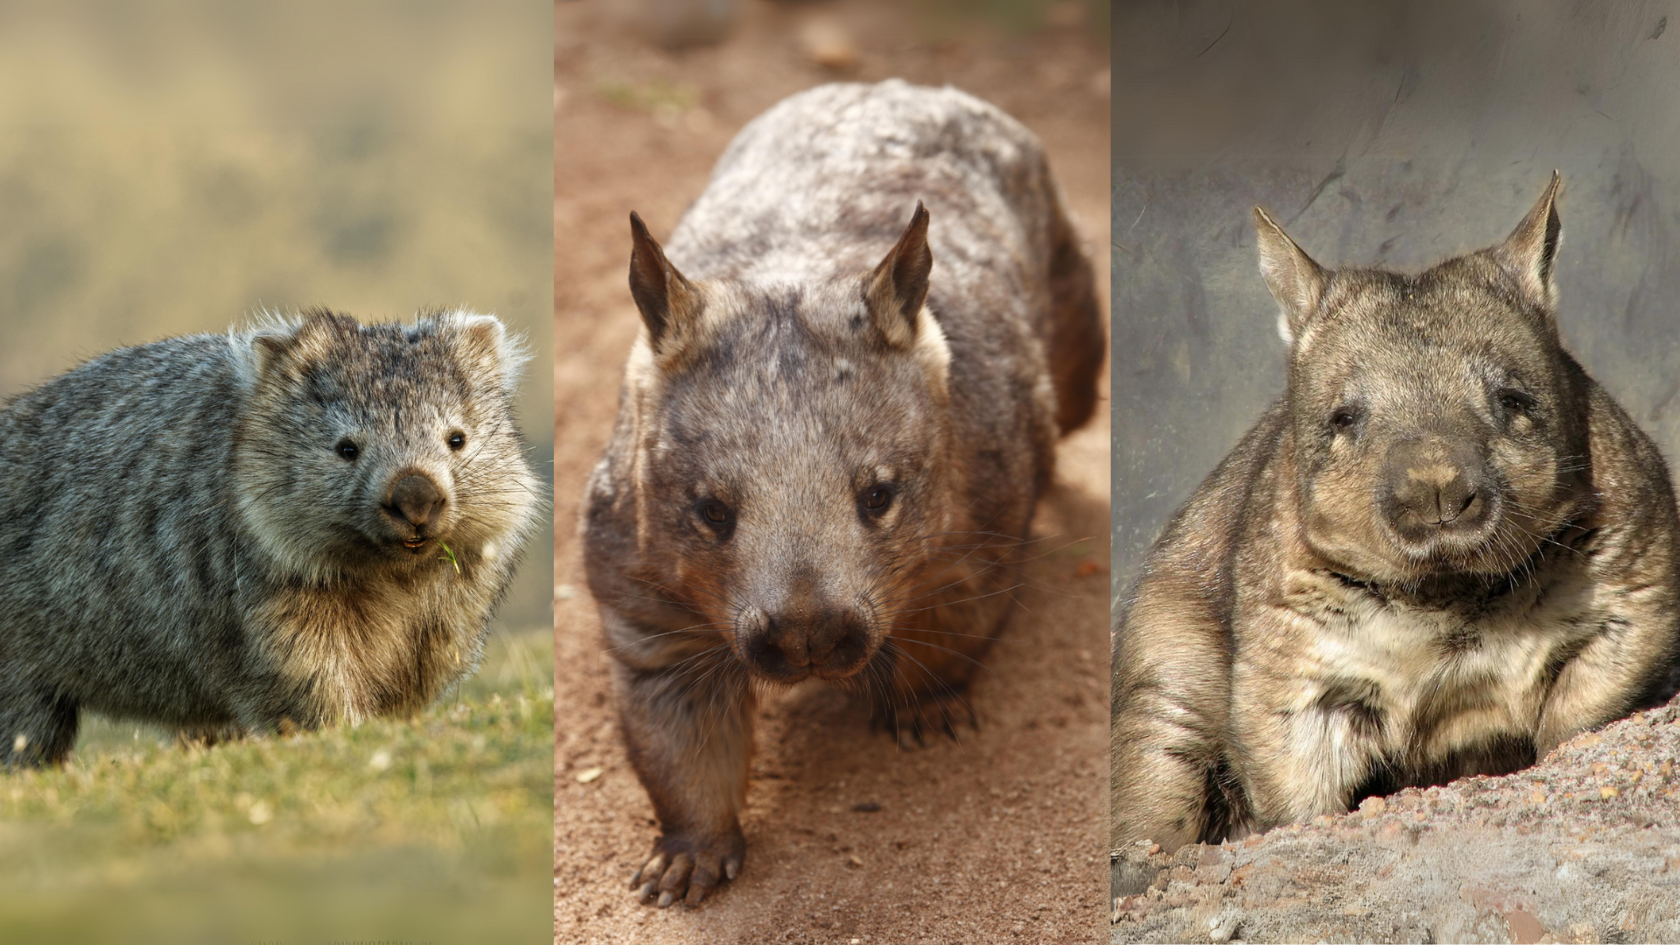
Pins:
x: 416, y: 502
x: 790, y: 646
x: 1433, y: 487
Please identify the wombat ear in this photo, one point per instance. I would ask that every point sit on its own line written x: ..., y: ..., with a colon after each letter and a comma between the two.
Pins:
x: 282, y: 340
x: 268, y: 350
x: 1531, y: 249
x: 1295, y: 281
x: 665, y: 298
x: 898, y: 287
x: 489, y: 345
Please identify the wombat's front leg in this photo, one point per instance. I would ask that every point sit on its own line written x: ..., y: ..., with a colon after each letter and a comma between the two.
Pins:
x: 918, y: 680
x: 1171, y: 695
x: 688, y: 727
x: 1617, y: 673
x: 36, y: 728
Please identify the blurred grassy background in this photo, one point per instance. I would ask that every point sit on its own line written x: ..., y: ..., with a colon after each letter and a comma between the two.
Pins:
x: 177, y: 168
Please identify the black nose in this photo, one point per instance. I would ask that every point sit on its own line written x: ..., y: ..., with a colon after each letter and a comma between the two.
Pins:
x: 416, y: 500
x: 832, y: 643
x: 1433, y: 486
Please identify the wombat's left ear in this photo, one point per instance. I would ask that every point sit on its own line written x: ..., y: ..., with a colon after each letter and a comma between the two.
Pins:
x: 487, y: 345
x: 667, y: 300
x: 1531, y: 249
x: 1295, y: 281
x: 898, y: 287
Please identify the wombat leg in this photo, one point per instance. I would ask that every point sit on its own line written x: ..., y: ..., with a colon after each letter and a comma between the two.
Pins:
x: 37, y: 728
x: 206, y: 736
x: 689, y: 733
x: 1171, y: 689
x: 918, y: 702
x: 1626, y: 667
x: 1075, y: 346
x: 910, y: 718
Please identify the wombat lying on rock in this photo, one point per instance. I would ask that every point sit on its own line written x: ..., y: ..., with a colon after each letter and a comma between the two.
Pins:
x: 826, y: 461
x: 1442, y: 552
x: 304, y: 523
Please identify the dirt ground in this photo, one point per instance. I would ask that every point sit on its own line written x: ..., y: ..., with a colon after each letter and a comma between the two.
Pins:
x: 999, y: 837
x: 1583, y: 847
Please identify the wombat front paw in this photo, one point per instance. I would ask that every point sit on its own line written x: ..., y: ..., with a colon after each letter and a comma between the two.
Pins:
x: 687, y: 869
x: 911, y: 723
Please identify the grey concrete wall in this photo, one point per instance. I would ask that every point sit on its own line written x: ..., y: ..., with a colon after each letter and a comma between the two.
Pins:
x: 1395, y: 135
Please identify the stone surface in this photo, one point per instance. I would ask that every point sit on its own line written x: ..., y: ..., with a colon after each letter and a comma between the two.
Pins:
x: 1583, y: 847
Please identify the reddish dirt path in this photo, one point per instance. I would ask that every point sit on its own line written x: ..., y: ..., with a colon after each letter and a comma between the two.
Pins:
x: 999, y: 837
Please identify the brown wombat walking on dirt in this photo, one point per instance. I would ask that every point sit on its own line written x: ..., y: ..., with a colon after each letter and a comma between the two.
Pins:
x: 304, y: 523
x: 826, y: 461
x: 1442, y: 552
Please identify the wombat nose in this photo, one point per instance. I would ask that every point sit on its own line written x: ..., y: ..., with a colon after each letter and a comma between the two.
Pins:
x: 415, y: 500
x: 830, y: 643
x: 1433, y: 489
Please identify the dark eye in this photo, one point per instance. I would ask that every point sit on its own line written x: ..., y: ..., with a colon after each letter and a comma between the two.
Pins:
x: 717, y: 515
x: 1344, y: 419
x: 457, y: 440
x: 347, y: 449
x: 1515, y: 401
x: 877, y: 499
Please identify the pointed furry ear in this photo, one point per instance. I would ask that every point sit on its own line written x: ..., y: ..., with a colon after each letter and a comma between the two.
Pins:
x: 1295, y: 281
x: 898, y: 287
x: 1531, y: 249
x: 267, y: 351
x: 488, y: 344
x: 280, y: 341
x: 665, y: 298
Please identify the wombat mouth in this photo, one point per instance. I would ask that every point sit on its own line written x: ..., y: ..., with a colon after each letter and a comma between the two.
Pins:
x: 415, y: 544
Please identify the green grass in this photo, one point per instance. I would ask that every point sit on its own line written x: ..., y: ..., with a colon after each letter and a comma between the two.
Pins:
x: 435, y: 828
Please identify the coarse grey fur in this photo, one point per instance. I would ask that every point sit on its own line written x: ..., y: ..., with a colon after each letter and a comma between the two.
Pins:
x: 826, y: 461
x: 1442, y: 552
x: 242, y: 533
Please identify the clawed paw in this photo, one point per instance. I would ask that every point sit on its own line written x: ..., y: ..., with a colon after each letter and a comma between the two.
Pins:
x: 911, y: 724
x: 685, y: 869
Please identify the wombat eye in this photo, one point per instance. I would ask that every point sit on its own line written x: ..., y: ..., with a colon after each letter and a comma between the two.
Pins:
x: 716, y: 514
x: 877, y: 499
x: 457, y: 440
x: 1515, y: 401
x: 347, y: 449
x: 1343, y: 419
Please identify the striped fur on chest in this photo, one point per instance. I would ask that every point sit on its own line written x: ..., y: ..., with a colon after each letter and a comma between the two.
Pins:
x: 1428, y: 688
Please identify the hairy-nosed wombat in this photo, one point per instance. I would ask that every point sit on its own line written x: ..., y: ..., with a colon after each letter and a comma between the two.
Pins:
x: 826, y: 461
x: 1441, y: 553
x: 226, y: 533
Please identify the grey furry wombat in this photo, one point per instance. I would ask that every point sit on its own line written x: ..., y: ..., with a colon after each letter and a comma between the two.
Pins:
x: 1442, y: 552
x: 829, y: 445
x: 234, y: 533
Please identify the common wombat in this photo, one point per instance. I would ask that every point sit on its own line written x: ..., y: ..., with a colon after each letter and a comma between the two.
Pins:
x: 1443, y: 551
x: 826, y: 461
x: 233, y: 532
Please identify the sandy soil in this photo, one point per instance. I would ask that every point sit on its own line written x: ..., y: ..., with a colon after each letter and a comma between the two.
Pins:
x: 998, y: 837
x: 1583, y: 847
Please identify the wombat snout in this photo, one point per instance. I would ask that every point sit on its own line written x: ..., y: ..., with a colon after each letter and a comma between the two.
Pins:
x: 796, y: 642
x: 415, y: 503
x: 1433, y: 486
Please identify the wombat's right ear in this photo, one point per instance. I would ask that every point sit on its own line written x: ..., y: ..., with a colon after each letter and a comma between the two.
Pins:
x: 1295, y: 281
x: 1531, y: 249
x: 665, y: 298
x: 898, y: 287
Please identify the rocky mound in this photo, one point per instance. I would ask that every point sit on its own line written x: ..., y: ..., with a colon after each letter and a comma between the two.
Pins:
x: 1583, y: 847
